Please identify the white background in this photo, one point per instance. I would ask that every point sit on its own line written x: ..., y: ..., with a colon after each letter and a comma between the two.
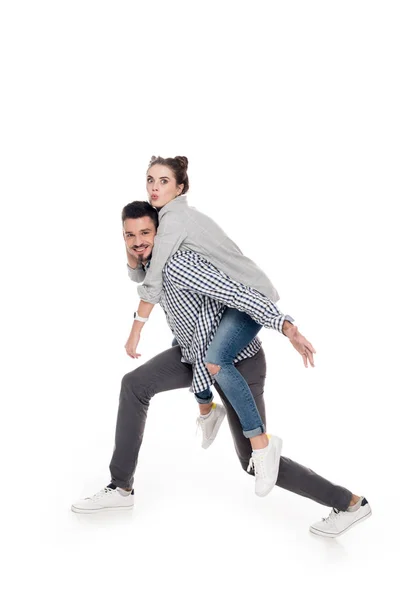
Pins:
x: 288, y: 113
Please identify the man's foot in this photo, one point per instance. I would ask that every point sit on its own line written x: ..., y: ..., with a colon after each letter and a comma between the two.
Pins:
x: 265, y: 463
x: 109, y: 498
x: 211, y: 423
x: 340, y: 521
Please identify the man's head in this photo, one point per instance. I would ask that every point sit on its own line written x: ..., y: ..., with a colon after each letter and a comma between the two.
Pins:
x: 140, y: 222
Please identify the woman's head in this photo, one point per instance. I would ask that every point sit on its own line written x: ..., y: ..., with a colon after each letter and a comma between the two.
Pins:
x: 167, y: 178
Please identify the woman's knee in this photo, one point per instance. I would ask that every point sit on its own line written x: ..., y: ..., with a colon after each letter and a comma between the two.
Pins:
x: 212, y: 368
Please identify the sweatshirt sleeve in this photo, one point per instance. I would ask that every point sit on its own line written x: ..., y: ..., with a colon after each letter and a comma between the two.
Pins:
x: 170, y: 235
x: 137, y: 275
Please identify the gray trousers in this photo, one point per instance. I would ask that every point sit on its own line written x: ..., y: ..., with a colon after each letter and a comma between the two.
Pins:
x: 166, y: 372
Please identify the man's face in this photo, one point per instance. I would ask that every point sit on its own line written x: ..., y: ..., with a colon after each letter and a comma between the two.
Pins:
x: 139, y: 237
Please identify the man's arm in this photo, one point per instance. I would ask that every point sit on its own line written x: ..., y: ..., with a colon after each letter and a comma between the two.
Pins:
x: 170, y: 235
x: 189, y: 271
x: 192, y: 273
x: 137, y: 273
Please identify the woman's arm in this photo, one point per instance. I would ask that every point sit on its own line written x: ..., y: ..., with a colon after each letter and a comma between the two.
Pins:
x: 170, y: 235
x: 137, y: 275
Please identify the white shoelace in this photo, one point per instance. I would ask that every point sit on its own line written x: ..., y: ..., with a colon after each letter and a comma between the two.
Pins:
x: 333, y: 515
x: 258, y: 465
x: 100, y: 494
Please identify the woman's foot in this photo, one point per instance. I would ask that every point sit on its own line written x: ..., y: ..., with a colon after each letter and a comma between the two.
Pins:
x: 265, y: 463
x: 210, y: 423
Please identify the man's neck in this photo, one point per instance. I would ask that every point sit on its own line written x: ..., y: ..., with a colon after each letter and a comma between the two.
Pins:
x: 145, y: 262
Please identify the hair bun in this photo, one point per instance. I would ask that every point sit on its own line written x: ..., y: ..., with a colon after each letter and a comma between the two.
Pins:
x: 183, y: 161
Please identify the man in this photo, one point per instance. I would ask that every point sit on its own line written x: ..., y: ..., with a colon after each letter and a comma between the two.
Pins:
x: 166, y: 372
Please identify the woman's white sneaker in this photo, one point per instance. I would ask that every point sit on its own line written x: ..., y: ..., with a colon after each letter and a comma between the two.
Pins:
x: 211, y: 423
x: 265, y: 464
x: 109, y: 498
x: 340, y: 521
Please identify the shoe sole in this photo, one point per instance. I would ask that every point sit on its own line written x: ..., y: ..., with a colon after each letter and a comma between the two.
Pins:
x: 334, y: 535
x: 88, y: 511
x: 278, y: 449
x: 218, y: 424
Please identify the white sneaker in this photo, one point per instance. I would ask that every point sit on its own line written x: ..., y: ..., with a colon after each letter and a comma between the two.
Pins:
x: 107, y: 499
x: 210, y: 426
x: 266, y: 465
x: 340, y: 521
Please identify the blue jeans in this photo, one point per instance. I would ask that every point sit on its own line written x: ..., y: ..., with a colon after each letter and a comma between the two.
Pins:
x: 234, y: 333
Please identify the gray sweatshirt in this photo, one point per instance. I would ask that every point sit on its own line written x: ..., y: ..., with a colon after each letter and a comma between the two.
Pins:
x: 182, y: 227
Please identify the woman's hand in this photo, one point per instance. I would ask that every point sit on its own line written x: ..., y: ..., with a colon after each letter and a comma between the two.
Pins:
x: 132, y: 344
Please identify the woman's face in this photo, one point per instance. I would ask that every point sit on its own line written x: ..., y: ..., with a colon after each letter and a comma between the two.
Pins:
x: 161, y: 186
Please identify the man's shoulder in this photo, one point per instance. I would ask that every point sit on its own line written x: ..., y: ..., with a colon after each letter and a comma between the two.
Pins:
x: 186, y: 261
x: 185, y: 257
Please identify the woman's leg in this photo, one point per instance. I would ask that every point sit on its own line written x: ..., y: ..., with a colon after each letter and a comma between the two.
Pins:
x: 205, y: 400
x: 293, y: 476
x: 234, y: 333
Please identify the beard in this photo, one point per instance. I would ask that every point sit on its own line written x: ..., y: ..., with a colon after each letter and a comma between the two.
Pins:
x: 143, y: 261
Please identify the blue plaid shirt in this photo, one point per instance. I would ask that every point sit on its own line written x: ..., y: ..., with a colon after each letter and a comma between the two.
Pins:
x: 194, y: 297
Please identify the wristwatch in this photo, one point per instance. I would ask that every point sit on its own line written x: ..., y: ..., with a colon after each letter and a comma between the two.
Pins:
x: 141, y: 319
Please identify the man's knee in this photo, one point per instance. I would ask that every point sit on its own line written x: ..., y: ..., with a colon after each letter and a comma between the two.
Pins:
x: 135, y: 389
x: 128, y: 380
x: 213, y: 369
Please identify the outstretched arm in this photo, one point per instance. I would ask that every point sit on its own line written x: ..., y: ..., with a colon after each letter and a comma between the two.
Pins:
x: 191, y: 272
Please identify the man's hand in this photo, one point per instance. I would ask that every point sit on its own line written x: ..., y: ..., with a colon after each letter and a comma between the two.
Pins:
x: 301, y: 344
x: 134, y: 259
x: 132, y: 344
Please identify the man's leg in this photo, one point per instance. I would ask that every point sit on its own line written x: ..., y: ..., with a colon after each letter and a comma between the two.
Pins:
x: 162, y: 373
x: 292, y: 476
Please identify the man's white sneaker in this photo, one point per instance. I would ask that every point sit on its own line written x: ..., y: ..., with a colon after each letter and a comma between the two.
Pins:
x: 211, y: 424
x: 266, y: 465
x: 340, y: 521
x: 109, y: 498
